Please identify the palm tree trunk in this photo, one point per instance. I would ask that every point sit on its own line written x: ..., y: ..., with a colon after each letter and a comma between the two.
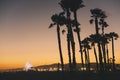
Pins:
x: 107, y: 53
x: 96, y: 57
x: 103, y: 30
x: 100, y: 57
x: 59, y: 45
x: 104, y: 55
x: 71, y: 39
x: 107, y: 56
x: 73, y: 50
x: 88, y: 59
x: 98, y: 44
x: 96, y: 26
x: 113, y: 54
x: 73, y: 47
x: 79, y: 38
x: 69, y: 53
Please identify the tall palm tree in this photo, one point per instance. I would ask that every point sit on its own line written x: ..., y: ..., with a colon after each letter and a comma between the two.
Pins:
x: 104, y: 25
x: 97, y: 14
x: 107, y: 36
x: 83, y: 44
x: 86, y: 47
x: 93, y: 40
x: 65, y: 4
x: 58, y: 20
x: 104, y: 41
x: 74, y: 7
x: 113, y: 37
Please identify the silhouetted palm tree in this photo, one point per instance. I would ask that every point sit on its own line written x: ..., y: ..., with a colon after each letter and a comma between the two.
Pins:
x: 75, y: 5
x: 93, y: 40
x: 103, y: 24
x: 85, y: 53
x: 97, y: 14
x: 65, y: 4
x: 86, y: 47
x: 107, y: 52
x: 113, y: 37
x: 58, y: 19
x: 104, y: 41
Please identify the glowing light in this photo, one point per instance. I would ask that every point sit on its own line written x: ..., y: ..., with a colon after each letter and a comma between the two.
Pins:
x: 28, y: 66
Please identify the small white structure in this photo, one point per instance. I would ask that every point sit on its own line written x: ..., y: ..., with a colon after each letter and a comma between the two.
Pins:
x: 28, y: 66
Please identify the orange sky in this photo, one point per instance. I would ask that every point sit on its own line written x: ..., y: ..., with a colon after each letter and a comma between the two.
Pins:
x: 24, y: 33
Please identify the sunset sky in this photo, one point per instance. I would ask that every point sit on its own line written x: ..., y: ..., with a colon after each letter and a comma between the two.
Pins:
x: 24, y: 33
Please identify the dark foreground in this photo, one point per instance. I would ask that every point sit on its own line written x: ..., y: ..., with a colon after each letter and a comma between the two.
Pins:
x: 60, y: 76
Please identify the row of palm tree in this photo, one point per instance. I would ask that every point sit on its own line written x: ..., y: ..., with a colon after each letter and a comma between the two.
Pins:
x: 98, y: 17
x: 99, y: 40
x: 91, y: 42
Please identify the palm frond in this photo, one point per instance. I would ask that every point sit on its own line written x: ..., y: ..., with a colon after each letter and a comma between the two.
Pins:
x: 91, y: 21
x: 51, y: 25
x: 63, y: 31
x: 105, y: 24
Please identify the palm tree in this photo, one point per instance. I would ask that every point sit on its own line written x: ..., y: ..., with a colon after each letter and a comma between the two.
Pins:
x: 97, y: 14
x: 83, y: 44
x: 58, y: 19
x: 86, y: 47
x: 65, y: 4
x: 75, y: 5
x: 93, y: 40
x: 113, y: 37
x: 107, y: 52
x: 104, y: 41
x: 103, y: 23
x: 107, y: 36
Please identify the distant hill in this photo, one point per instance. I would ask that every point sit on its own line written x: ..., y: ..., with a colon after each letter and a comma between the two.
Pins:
x: 53, y: 67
